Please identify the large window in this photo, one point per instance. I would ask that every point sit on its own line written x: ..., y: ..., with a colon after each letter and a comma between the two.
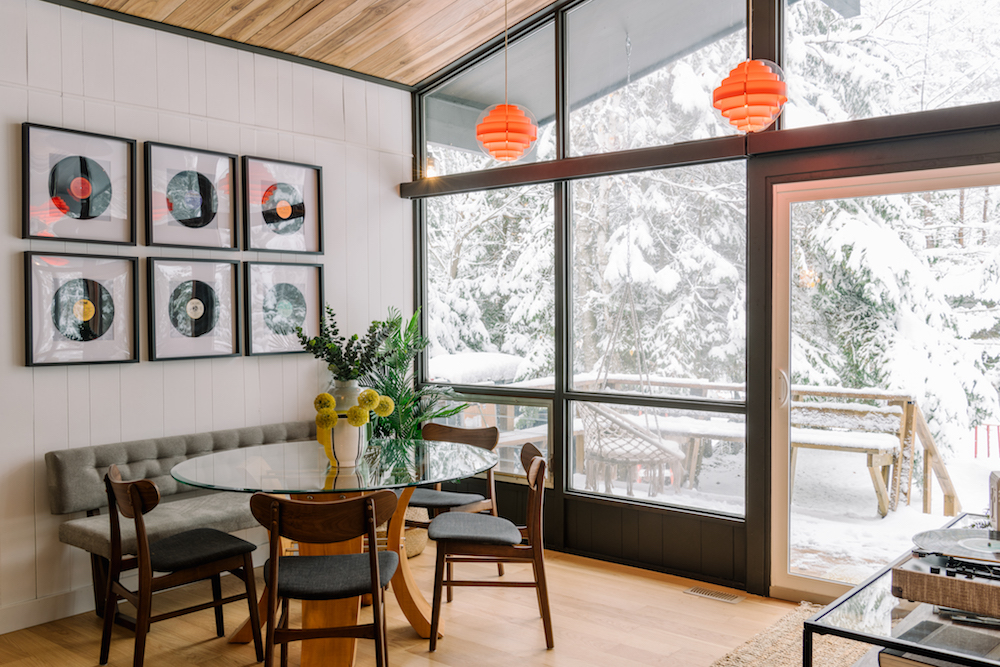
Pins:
x: 454, y: 108
x: 641, y: 73
x: 659, y: 282
x: 848, y: 59
x: 615, y: 299
x: 490, y: 294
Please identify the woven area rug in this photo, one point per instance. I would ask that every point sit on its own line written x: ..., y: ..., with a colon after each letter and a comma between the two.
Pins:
x: 781, y: 645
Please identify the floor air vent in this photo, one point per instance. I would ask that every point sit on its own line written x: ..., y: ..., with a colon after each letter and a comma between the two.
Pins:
x: 714, y: 595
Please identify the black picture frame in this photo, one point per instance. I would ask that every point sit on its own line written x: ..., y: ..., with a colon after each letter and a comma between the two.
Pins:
x: 270, y: 329
x: 64, y: 325
x: 203, y: 330
x: 191, y: 199
x: 273, y: 190
x: 77, y: 186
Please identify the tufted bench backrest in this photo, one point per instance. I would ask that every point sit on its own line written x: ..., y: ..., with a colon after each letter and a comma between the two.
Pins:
x: 76, y: 476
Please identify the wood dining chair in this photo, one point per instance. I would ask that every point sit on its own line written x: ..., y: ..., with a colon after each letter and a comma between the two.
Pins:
x: 184, y: 558
x: 436, y: 501
x: 331, y: 577
x: 478, y: 538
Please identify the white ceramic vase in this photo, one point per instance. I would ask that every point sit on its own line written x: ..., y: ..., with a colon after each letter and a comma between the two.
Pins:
x: 349, y: 442
x: 345, y: 392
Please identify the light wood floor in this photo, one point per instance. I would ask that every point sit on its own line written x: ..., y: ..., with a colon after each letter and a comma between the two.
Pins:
x: 604, y: 614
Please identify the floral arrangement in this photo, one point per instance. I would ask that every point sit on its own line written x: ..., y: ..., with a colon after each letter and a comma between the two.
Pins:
x: 347, y: 358
x: 358, y: 415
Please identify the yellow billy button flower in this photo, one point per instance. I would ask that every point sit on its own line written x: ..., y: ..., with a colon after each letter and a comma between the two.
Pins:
x: 326, y: 418
x: 324, y: 402
x: 368, y: 399
x: 385, y: 406
x: 357, y: 416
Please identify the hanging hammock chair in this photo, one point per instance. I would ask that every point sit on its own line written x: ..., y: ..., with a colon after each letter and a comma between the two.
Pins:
x: 613, y: 438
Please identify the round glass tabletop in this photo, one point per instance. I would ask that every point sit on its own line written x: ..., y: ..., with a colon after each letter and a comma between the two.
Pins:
x: 302, y: 467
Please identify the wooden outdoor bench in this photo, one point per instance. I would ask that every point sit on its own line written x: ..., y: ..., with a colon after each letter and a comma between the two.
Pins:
x: 885, y: 432
x: 874, y: 431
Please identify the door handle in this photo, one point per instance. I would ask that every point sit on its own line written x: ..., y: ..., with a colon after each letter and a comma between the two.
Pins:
x: 782, y: 388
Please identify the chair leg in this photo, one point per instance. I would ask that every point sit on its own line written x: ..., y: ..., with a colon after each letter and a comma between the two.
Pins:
x: 272, y: 621
x: 494, y: 512
x: 99, y: 568
x: 251, y: 587
x: 448, y: 580
x: 220, y: 624
x: 438, y: 586
x: 543, y: 599
x: 110, y: 611
x: 385, y: 633
x: 142, y: 626
x: 377, y: 625
x: 284, y: 626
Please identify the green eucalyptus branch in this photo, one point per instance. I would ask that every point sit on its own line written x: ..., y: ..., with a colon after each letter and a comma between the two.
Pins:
x: 347, y: 358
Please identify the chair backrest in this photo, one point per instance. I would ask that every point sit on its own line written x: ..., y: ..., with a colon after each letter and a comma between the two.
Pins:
x: 485, y: 438
x: 132, y: 500
x: 322, y: 522
x: 534, y: 465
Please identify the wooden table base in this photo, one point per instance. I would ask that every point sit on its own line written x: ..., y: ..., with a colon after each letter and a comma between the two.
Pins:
x: 320, y: 613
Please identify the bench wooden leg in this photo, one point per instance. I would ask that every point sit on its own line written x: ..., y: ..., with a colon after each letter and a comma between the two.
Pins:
x: 99, y: 575
x: 876, y: 466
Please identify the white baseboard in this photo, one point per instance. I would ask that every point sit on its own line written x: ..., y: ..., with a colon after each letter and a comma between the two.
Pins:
x: 43, y: 610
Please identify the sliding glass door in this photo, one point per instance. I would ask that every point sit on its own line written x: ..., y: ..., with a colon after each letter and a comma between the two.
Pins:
x: 886, y: 359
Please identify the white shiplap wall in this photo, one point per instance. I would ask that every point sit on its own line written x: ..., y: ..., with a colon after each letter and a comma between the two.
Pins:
x: 65, y: 68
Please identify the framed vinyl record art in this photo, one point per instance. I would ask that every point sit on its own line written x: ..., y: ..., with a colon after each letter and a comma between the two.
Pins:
x: 279, y: 299
x: 193, y: 308
x: 77, y: 186
x: 190, y: 197
x: 282, y: 206
x: 81, y: 309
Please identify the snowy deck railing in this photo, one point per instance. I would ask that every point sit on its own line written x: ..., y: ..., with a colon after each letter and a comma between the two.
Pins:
x: 832, y: 418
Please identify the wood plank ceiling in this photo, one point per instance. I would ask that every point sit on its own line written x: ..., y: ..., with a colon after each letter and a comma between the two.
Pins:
x: 404, y: 41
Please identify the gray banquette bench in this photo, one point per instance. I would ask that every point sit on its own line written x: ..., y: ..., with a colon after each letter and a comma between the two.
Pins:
x: 75, y: 480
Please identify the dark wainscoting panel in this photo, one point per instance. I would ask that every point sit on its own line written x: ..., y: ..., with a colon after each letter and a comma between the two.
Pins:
x: 701, y: 547
x: 706, y: 548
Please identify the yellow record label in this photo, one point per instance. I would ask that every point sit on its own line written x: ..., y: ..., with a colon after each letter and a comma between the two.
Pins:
x: 84, y: 310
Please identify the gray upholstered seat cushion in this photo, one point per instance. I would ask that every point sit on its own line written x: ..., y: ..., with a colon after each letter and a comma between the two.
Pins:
x: 225, y: 511
x: 195, y: 547
x: 433, y: 499
x: 330, y: 577
x: 480, y: 528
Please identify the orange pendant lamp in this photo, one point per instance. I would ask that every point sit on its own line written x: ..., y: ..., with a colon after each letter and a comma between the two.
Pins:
x: 506, y: 132
x: 752, y: 96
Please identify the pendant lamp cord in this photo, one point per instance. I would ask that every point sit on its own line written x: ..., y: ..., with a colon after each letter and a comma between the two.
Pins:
x: 505, y: 53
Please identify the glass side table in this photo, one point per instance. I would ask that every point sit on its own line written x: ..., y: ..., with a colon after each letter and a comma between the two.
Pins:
x: 869, y: 613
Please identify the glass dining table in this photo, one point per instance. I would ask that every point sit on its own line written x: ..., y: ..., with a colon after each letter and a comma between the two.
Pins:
x: 302, y: 470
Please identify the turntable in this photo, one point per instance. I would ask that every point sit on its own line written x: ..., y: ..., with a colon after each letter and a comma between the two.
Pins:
x: 953, y: 568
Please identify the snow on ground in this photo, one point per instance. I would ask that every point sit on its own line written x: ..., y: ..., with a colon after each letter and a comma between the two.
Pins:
x: 836, y: 531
